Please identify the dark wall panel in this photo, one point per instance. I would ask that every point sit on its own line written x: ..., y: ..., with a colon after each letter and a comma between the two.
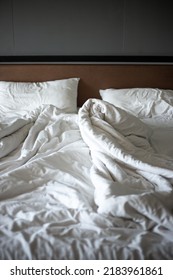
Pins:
x: 78, y: 27
x: 149, y: 27
x: 6, y: 28
x: 68, y: 27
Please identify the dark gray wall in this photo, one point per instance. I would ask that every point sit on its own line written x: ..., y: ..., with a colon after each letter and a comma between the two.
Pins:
x: 78, y: 27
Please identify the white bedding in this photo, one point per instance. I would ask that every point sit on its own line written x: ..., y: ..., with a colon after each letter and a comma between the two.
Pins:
x: 86, y: 186
x: 162, y: 133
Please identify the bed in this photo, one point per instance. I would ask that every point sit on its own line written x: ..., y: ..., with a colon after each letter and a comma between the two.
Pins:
x: 86, y: 162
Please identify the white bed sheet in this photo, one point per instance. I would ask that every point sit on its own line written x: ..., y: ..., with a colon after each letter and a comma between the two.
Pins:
x: 48, y: 198
x: 162, y: 133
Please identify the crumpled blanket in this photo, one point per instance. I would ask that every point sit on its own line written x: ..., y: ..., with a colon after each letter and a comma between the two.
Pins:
x: 86, y: 186
x: 130, y: 179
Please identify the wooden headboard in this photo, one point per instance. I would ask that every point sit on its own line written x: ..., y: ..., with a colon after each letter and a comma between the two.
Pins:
x: 92, y: 76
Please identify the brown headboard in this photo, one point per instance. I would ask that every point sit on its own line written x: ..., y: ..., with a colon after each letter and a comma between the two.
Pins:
x: 92, y: 77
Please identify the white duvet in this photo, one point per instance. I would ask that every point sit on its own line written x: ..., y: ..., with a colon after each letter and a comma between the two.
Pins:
x: 86, y: 186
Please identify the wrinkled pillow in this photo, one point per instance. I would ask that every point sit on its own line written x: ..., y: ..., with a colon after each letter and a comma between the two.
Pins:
x: 141, y: 102
x: 28, y: 96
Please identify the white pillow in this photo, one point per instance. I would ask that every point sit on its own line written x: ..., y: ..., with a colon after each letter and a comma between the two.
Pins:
x: 141, y: 102
x: 28, y: 96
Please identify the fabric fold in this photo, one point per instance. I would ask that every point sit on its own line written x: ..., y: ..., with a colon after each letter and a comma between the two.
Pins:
x: 126, y: 171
